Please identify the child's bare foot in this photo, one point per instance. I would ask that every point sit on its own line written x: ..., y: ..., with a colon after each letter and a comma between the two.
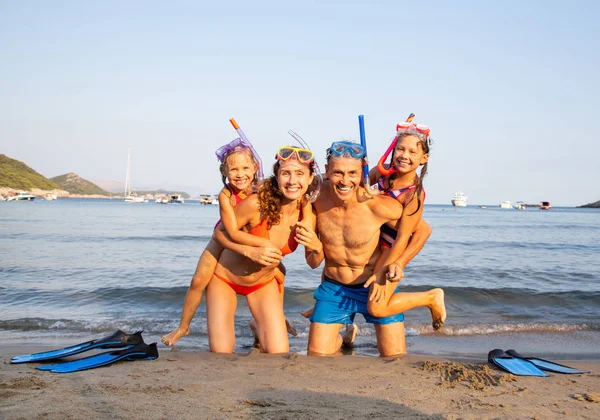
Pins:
x: 438, y: 309
x: 290, y: 328
x: 174, y: 336
x: 349, y: 335
x: 308, y: 313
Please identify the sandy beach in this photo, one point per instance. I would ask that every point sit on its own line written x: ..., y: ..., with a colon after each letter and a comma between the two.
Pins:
x: 195, y: 384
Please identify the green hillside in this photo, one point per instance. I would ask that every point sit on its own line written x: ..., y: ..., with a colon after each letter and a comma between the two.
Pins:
x: 74, y: 184
x: 17, y: 175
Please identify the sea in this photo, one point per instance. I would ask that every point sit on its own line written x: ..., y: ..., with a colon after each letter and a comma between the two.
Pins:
x: 76, y: 269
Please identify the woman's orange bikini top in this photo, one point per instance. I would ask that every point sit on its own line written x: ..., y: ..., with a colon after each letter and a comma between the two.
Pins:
x: 262, y: 231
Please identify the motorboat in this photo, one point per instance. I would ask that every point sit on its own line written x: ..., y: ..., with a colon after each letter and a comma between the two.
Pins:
x: 459, y: 199
x: 519, y: 205
x: 50, y: 197
x: 206, y: 199
x: 21, y: 197
x: 177, y: 199
x: 215, y: 200
x: 161, y: 200
x: 506, y: 205
x: 545, y: 205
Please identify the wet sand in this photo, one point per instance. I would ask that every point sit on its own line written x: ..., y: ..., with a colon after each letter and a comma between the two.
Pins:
x: 202, y: 385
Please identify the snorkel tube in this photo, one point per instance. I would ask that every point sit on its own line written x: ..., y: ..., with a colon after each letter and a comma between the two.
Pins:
x: 363, y: 143
x: 365, y: 168
x: 259, y: 172
x: 381, y: 164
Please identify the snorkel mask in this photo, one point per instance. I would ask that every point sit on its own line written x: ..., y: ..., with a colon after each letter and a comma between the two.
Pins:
x: 318, y: 177
x: 237, y: 145
x: 403, y: 128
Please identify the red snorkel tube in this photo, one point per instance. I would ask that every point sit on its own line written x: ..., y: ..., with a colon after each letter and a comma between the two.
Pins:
x: 380, y: 165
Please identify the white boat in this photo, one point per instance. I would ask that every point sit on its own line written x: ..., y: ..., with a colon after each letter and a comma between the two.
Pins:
x: 162, y: 200
x: 129, y: 196
x: 21, y: 197
x: 459, y: 199
x: 50, y: 197
x: 519, y: 205
x: 177, y: 199
x: 506, y: 205
x: 215, y: 200
x: 206, y: 199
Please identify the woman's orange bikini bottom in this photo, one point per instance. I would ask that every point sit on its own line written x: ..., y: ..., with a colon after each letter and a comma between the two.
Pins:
x: 246, y: 290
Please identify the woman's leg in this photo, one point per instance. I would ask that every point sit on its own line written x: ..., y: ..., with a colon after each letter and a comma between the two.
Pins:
x: 221, y: 303
x: 204, y: 271
x: 267, y: 309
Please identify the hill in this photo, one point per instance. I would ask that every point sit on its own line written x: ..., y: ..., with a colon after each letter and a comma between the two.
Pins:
x: 74, y: 184
x: 15, y: 174
x: 595, y: 205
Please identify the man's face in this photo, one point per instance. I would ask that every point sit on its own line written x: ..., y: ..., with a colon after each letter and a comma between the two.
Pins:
x: 345, y: 174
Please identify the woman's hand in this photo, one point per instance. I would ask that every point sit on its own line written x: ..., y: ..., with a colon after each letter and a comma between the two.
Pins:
x: 264, y: 255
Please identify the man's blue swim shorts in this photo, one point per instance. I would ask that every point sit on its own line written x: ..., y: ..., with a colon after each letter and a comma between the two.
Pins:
x: 338, y: 304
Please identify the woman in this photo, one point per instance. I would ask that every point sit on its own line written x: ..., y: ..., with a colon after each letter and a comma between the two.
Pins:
x: 273, y: 213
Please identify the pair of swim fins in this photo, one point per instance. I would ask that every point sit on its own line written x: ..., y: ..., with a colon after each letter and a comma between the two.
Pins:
x: 133, y: 348
x: 512, y: 362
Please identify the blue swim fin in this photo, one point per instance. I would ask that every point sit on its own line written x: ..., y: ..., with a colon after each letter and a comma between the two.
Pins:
x: 141, y: 351
x: 513, y: 365
x: 116, y: 340
x: 545, y: 364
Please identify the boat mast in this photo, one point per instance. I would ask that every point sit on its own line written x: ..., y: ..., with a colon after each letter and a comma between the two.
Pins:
x: 128, y: 174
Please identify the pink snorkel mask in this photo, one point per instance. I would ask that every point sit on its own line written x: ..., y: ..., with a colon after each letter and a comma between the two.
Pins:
x: 407, y: 127
x: 238, y: 145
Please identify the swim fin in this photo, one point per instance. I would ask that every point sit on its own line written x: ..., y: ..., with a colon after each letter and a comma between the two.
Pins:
x: 513, y: 365
x: 116, y: 340
x: 141, y: 351
x: 545, y: 364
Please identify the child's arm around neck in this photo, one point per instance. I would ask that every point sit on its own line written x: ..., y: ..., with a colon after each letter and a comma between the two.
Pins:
x: 233, y: 222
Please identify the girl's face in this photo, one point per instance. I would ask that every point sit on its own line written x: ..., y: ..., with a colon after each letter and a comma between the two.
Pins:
x: 293, y: 178
x: 409, y: 155
x: 240, y: 169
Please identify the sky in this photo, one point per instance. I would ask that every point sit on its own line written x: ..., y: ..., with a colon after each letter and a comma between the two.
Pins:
x: 510, y: 89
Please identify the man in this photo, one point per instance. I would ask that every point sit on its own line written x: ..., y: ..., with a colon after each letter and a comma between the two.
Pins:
x: 348, y: 228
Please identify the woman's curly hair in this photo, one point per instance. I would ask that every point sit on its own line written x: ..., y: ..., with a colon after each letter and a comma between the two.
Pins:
x: 270, y: 195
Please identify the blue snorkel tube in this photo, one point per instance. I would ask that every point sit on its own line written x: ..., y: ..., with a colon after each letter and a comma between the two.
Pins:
x: 363, y: 143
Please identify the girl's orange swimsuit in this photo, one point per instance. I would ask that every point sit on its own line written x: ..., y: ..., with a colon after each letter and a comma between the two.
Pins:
x: 262, y: 230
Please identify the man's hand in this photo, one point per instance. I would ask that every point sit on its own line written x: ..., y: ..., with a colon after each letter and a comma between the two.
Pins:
x: 267, y: 256
x: 306, y: 236
x: 395, y: 273
x: 377, y: 292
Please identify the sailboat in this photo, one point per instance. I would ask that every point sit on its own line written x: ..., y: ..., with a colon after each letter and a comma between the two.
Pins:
x: 129, y: 196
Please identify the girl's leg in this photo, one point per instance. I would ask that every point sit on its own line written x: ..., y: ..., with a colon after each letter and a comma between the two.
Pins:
x: 267, y: 309
x: 402, y: 302
x: 204, y: 271
x: 221, y: 303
